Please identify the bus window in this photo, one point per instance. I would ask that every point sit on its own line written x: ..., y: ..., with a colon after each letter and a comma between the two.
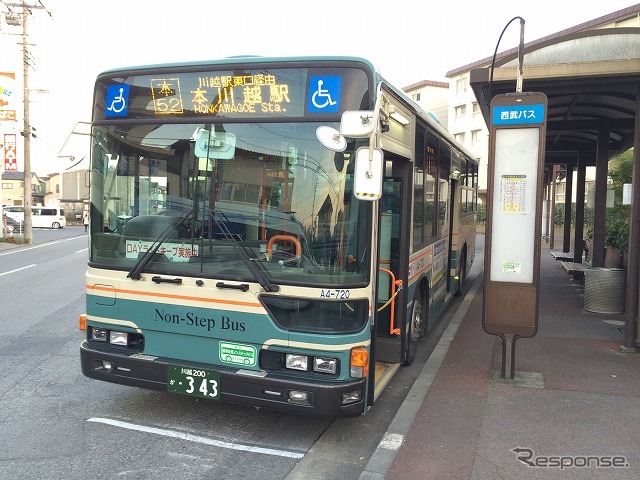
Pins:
x: 419, y: 192
x: 430, y: 187
x: 444, y: 171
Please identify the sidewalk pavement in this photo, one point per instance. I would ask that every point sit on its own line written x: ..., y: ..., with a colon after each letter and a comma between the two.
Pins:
x: 8, y: 246
x: 572, y: 411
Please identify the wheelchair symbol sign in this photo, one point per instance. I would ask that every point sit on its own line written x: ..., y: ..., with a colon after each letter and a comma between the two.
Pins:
x: 117, y: 101
x: 324, y: 94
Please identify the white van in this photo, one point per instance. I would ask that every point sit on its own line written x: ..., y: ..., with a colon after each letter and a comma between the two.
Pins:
x: 47, y: 217
x: 14, y: 211
x: 41, y: 217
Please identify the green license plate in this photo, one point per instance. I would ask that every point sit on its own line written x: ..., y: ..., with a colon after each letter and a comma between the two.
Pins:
x: 195, y: 382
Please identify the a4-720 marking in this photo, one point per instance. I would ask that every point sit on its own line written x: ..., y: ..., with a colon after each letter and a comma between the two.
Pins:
x: 337, y: 293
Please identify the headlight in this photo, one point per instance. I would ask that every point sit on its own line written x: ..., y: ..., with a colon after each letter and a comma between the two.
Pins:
x: 297, y: 362
x: 118, y: 338
x: 99, y: 334
x: 325, y: 365
x: 299, y: 397
x: 351, y: 397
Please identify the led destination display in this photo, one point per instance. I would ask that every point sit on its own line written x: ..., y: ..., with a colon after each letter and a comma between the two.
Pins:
x: 287, y: 92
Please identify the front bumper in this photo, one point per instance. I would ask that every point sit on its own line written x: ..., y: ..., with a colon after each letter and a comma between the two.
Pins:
x: 237, y: 385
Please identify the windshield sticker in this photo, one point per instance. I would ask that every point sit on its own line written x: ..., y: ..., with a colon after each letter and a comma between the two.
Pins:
x: 117, y: 101
x: 324, y: 94
x: 175, y: 252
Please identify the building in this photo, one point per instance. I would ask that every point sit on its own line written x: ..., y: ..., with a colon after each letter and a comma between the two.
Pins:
x: 52, y: 190
x: 74, y: 192
x: 433, y: 97
x: 13, y: 189
x: 70, y: 190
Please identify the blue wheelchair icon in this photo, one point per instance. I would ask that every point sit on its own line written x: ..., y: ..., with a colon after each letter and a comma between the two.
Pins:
x: 324, y: 94
x: 117, y: 101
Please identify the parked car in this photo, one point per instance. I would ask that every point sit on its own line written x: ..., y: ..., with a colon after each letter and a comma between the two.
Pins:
x: 45, y: 217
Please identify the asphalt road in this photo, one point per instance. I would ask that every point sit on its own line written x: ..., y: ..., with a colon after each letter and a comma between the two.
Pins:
x: 56, y: 423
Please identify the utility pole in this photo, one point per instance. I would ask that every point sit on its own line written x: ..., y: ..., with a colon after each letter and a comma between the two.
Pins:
x: 27, y: 131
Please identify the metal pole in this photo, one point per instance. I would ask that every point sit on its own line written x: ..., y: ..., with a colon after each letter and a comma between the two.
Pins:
x: 520, y: 57
x: 508, y: 356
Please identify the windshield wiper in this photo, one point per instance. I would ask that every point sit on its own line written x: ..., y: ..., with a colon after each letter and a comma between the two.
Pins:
x: 144, y: 260
x: 222, y: 223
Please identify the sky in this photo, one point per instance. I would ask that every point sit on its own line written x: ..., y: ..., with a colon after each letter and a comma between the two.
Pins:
x: 72, y: 41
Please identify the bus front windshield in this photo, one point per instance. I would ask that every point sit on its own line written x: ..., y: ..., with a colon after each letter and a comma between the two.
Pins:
x: 240, y: 201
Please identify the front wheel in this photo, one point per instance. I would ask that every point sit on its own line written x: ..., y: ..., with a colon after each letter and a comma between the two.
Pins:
x: 415, y: 328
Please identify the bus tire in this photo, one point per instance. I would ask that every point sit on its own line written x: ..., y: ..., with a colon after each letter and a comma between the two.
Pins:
x: 416, y: 328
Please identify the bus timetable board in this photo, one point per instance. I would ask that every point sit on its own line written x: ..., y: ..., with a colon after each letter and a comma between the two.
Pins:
x: 237, y: 94
x: 516, y: 169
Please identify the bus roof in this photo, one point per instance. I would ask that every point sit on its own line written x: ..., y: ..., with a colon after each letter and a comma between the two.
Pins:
x: 244, y: 59
x: 429, y: 119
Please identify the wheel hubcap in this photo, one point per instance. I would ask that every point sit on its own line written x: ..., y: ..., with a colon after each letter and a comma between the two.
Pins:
x: 416, y: 325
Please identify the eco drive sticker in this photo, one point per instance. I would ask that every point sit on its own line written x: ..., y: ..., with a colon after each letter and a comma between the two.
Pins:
x: 238, y: 354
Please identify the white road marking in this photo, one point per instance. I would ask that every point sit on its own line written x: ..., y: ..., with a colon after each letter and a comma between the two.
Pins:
x: 391, y: 441
x: 17, y: 270
x: 197, y: 439
x: 40, y: 245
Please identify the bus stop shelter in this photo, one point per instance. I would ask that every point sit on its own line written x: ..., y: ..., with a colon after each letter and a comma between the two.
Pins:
x: 592, y: 80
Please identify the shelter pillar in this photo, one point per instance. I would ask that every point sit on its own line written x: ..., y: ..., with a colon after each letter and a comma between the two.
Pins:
x: 568, y: 195
x: 552, y: 206
x: 600, y: 204
x: 546, y: 231
x: 581, y: 179
x: 632, y: 330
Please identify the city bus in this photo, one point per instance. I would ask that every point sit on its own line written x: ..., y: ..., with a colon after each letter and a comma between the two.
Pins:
x: 273, y: 232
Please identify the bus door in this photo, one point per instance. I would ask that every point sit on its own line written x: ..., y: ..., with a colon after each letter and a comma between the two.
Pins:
x: 454, y: 228
x: 392, y: 266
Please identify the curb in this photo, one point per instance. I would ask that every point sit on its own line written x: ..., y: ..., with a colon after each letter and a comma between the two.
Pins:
x: 384, y: 456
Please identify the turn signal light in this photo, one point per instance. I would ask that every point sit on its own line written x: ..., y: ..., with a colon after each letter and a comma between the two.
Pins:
x: 82, y: 321
x: 359, y: 366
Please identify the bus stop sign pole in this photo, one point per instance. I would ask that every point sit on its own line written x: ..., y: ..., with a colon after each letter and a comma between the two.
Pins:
x: 514, y: 218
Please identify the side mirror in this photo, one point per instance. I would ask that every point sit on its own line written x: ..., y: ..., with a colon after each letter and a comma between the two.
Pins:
x: 368, y: 173
x: 357, y: 123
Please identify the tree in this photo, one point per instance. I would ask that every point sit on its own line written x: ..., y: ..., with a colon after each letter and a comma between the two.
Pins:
x: 618, y: 216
